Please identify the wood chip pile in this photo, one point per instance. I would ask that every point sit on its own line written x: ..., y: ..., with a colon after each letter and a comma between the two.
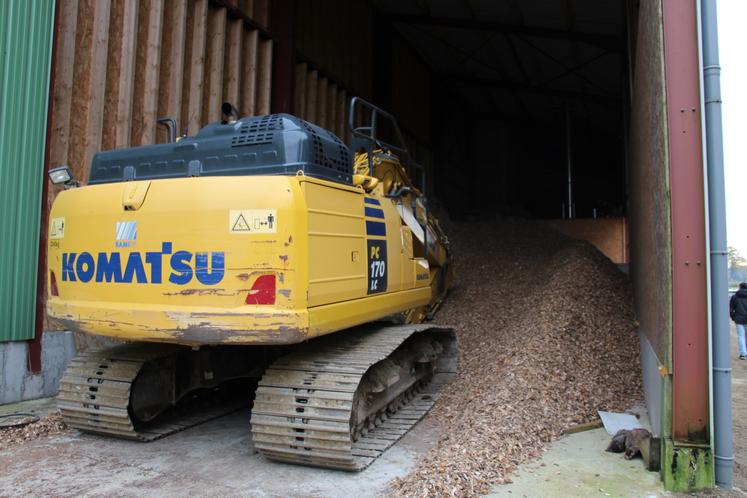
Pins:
x: 547, y: 337
x: 50, y: 425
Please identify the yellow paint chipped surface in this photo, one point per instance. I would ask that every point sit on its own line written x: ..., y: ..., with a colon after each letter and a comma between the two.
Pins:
x: 304, y: 231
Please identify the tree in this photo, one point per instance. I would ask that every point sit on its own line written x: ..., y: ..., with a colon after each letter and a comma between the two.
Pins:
x: 737, y: 267
x: 735, y: 259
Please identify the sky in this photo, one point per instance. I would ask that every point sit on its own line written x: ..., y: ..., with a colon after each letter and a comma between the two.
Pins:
x: 732, y: 40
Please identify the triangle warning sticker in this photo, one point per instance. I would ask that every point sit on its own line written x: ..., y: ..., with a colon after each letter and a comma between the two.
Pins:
x: 240, y: 225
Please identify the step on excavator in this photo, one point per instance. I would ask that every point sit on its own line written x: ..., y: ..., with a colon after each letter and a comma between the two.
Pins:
x: 261, y: 261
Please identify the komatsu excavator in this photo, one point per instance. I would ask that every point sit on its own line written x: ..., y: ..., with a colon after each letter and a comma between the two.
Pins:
x: 258, y: 254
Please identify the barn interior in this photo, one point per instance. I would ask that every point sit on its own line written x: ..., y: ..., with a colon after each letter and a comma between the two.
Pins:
x: 509, y: 103
x: 543, y: 110
x: 549, y: 110
x: 514, y: 108
x: 525, y: 109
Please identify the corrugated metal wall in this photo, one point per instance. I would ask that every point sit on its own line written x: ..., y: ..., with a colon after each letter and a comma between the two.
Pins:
x: 26, y: 28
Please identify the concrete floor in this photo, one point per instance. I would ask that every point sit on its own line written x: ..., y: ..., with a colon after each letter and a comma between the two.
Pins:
x: 213, y: 459
x: 216, y: 459
x: 41, y: 407
x: 577, y: 465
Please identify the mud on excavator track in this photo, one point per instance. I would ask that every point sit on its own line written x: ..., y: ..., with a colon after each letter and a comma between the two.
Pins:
x: 340, y: 402
x: 336, y: 402
x: 101, y: 393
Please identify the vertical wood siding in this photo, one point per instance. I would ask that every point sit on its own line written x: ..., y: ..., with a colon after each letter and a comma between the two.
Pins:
x: 122, y: 64
x: 125, y: 63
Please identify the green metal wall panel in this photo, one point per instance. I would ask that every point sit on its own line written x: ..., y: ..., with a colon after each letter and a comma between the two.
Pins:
x: 26, y: 30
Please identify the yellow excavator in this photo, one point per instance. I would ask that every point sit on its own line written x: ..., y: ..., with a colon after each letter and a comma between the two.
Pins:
x: 259, y: 260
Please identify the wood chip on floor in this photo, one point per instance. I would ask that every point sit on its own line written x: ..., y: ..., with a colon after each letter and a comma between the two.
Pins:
x: 547, y: 337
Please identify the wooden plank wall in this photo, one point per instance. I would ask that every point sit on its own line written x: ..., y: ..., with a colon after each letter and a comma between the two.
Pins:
x: 335, y: 36
x: 326, y: 102
x: 606, y: 234
x: 334, y: 55
x: 122, y: 64
x: 134, y: 61
x: 320, y: 100
x: 411, y: 91
x: 649, y: 185
x: 335, y: 63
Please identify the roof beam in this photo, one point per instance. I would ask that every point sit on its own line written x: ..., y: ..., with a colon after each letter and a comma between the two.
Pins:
x: 604, y: 100
x: 612, y: 43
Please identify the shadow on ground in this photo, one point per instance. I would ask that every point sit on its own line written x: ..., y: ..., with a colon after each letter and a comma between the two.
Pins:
x: 213, y: 459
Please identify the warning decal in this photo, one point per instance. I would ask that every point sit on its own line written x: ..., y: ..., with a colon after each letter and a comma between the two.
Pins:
x: 57, y: 228
x: 240, y: 225
x: 252, y: 221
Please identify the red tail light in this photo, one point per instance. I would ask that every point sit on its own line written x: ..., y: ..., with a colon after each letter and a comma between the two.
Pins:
x: 263, y: 291
x: 53, y: 284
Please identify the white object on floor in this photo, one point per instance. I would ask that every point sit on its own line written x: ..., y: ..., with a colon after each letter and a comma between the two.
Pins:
x: 614, y: 422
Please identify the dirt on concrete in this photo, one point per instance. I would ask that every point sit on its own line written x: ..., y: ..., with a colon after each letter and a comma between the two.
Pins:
x: 49, y: 425
x: 214, y: 459
x: 547, y: 338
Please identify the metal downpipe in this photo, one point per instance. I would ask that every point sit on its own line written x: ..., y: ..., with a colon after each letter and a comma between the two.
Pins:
x: 722, y: 418
x: 569, y: 165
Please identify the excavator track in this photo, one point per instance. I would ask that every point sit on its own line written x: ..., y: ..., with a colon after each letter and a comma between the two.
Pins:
x: 304, y: 407
x: 95, y: 393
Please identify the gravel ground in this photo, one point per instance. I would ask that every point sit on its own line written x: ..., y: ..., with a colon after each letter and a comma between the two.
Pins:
x: 547, y: 338
x: 49, y: 425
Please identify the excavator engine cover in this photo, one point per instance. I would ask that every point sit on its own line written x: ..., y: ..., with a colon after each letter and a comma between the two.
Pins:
x: 275, y: 144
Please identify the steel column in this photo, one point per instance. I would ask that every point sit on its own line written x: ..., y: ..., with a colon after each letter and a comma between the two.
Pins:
x: 35, y: 346
x: 690, y: 396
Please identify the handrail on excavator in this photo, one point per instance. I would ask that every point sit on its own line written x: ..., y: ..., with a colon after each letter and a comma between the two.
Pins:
x: 368, y: 133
